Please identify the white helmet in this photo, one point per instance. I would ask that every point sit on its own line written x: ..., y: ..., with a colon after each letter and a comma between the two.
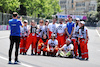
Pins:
x: 68, y: 40
x: 77, y: 19
x: 82, y: 22
x: 53, y: 35
x: 26, y: 21
x: 47, y: 20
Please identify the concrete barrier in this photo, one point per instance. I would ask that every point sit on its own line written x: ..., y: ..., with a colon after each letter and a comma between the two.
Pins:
x: 4, y: 27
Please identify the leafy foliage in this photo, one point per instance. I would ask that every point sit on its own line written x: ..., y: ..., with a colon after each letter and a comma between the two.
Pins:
x: 43, y: 8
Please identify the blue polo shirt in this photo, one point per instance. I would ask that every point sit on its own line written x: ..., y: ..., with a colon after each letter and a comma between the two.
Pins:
x: 70, y: 27
x: 15, y: 27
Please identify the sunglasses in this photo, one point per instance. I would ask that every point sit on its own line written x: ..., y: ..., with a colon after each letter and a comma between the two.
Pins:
x: 41, y: 22
x: 25, y: 22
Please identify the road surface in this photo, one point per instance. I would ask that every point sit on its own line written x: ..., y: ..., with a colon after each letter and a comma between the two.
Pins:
x: 44, y: 61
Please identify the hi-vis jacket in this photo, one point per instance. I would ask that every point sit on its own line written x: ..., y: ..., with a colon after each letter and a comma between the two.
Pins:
x: 82, y: 33
x: 24, y: 31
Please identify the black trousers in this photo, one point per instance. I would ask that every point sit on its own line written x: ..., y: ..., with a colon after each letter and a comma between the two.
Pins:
x: 16, y: 40
x: 79, y: 49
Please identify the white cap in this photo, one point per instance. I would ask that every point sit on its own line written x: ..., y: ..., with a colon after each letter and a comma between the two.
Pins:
x: 77, y: 19
x: 53, y: 35
x: 47, y: 20
x: 26, y: 21
x: 68, y: 39
x: 82, y: 22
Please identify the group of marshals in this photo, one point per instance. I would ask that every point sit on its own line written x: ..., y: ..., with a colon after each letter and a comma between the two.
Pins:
x: 67, y: 39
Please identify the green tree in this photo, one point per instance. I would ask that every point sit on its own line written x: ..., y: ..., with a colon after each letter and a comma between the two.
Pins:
x: 9, y: 5
x: 92, y: 16
x: 98, y: 9
x: 44, y: 8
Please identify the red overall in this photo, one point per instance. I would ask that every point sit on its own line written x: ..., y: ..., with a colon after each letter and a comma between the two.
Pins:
x: 75, y: 46
x: 55, y: 50
x: 23, y: 44
x: 84, y: 49
x: 61, y: 40
x: 50, y: 34
x: 32, y: 39
x: 40, y: 46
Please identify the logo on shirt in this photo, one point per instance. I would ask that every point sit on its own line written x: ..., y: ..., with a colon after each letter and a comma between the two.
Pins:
x: 60, y: 28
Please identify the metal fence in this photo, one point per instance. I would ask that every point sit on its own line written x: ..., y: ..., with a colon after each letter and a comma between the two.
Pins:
x: 4, y: 18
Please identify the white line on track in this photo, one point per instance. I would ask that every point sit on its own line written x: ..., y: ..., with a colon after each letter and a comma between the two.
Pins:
x: 98, y: 33
x: 26, y: 65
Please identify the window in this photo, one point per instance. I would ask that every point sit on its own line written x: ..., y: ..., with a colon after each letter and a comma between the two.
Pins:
x: 72, y: 1
x: 72, y: 5
x: 80, y: 9
x: 80, y: 4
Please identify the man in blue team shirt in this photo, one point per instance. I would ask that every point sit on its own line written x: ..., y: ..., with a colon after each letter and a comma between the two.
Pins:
x: 14, y: 36
x: 70, y: 27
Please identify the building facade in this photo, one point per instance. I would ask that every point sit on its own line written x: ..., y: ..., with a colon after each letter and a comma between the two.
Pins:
x: 77, y: 7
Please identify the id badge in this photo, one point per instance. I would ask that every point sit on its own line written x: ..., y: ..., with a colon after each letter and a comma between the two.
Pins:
x: 33, y: 34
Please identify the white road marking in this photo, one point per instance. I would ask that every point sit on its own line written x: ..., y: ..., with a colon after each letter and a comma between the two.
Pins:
x: 26, y: 65
x: 4, y: 37
x: 98, y: 33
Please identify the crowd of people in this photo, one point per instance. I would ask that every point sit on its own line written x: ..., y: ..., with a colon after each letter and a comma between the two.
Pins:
x: 63, y: 39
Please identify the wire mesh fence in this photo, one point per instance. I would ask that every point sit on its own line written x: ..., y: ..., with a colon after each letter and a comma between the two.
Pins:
x: 4, y: 18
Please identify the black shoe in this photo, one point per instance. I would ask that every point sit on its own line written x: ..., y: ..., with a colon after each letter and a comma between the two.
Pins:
x: 48, y: 54
x: 24, y: 53
x: 35, y: 54
x: 20, y: 53
x: 43, y: 53
x: 9, y: 62
x: 16, y: 62
x: 87, y: 59
x: 32, y: 54
x: 82, y: 59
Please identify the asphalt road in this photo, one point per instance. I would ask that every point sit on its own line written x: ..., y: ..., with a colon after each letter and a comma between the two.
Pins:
x: 44, y: 61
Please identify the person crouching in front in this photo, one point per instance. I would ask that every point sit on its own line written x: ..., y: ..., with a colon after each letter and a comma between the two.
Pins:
x: 42, y: 45
x: 67, y: 49
x: 52, y: 46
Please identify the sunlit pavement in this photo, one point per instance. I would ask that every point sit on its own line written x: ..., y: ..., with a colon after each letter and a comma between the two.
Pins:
x: 45, y: 61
